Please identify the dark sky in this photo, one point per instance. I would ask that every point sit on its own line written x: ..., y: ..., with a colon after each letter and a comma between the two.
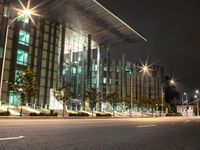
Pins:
x: 172, y: 28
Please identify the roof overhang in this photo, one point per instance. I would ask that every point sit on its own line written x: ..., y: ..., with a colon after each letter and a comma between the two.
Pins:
x: 89, y: 17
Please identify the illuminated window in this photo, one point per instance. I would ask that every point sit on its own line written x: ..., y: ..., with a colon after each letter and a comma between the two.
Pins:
x: 110, y: 81
x: 22, y: 57
x: 118, y: 69
x: 104, y: 80
x: 1, y: 52
x: 5, y: 12
x: 95, y: 68
x: 24, y: 38
x: 105, y: 68
x: 23, y: 18
x: 74, y: 70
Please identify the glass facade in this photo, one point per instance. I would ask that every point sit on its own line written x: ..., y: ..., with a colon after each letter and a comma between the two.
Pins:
x: 24, y: 38
x: 22, y: 57
x: 75, y: 52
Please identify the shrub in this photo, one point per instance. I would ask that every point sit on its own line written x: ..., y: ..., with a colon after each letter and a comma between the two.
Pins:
x: 78, y: 114
x: 6, y: 113
x: 43, y: 114
x: 103, y: 115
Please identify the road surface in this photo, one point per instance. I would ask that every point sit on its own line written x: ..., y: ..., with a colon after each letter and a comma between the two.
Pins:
x: 173, y: 133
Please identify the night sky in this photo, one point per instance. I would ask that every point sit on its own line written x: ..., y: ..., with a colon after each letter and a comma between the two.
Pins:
x: 172, y: 28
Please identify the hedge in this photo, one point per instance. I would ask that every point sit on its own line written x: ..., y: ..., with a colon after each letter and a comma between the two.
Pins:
x: 173, y: 114
x: 43, y: 114
x: 6, y: 113
x: 103, y: 115
x: 78, y: 114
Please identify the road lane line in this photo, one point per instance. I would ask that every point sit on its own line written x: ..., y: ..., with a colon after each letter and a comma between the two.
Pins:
x: 11, y: 138
x: 146, y: 126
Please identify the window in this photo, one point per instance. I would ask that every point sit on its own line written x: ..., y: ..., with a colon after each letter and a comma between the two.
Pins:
x: 23, y: 18
x: 17, y: 74
x: 1, y: 52
x: 104, y: 80
x: 5, y: 12
x: 24, y: 38
x: 105, y: 68
x: 22, y: 57
x: 74, y: 70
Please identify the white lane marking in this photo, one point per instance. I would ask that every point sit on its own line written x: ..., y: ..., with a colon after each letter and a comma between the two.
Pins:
x: 146, y: 126
x: 12, y: 138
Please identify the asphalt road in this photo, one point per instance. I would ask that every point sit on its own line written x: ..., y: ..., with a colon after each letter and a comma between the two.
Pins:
x: 100, y: 134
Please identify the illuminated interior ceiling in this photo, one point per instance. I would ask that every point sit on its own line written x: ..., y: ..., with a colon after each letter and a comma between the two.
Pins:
x: 89, y: 17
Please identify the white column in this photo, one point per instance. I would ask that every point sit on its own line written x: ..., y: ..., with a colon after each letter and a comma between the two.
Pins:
x: 98, y: 68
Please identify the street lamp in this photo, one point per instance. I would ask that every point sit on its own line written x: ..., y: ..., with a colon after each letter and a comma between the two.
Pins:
x: 185, y: 94
x: 172, y: 82
x: 196, y: 96
x: 144, y: 68
x: 26, y: 12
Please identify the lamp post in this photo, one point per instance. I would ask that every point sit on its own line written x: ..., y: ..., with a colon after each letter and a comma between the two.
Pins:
x: 196, y: 96
x: 145, y: 70
x: 186, y: 102
x: 26, y: 12
x: 172, y: 82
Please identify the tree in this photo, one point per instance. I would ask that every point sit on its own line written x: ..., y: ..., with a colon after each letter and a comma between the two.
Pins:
x: 127, y: 101
x: 113, y: 99
x: 92, y: 94
x: 24, y: 86
x: 62, y: 93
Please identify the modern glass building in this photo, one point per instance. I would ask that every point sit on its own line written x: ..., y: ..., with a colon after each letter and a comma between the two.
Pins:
x: 64, y: 48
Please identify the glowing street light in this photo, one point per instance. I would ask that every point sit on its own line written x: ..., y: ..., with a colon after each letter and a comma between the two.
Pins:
x: 26, y: 12
x: 197, y: 91
x: 196, y: 96
x: 172, y: 82
x: 145, y: 68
